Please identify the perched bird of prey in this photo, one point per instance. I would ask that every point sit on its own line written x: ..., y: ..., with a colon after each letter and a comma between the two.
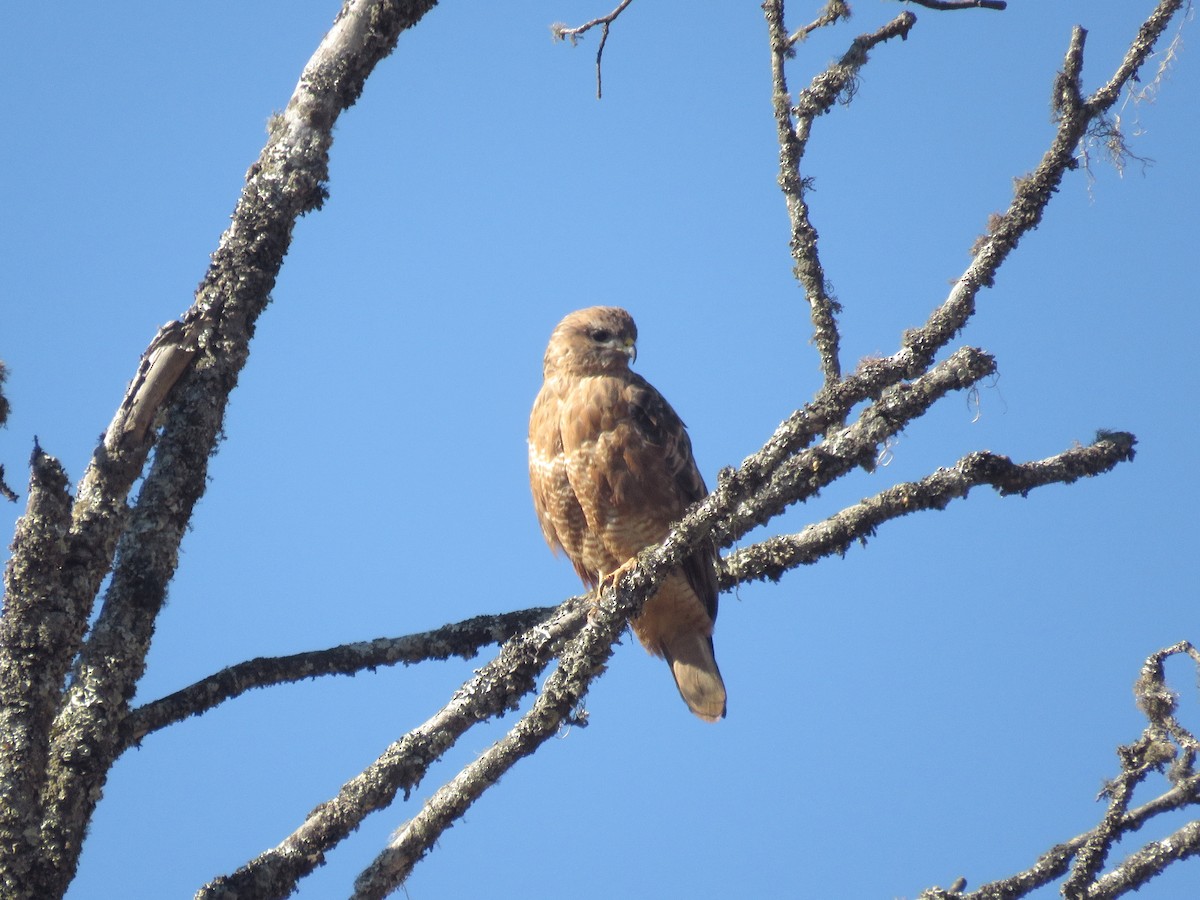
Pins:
x: 611, y: 467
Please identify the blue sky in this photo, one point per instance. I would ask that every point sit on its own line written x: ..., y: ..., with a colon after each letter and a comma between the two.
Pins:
x: 944, y: 702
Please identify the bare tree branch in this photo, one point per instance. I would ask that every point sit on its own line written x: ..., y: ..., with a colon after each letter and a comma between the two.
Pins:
x: 771, y: 558
x: 287, y: 181
x: 765, y: 483
x: 793, y: 138
x: 948, y: 5
x: 59, y: 746
x: 584, y: 660
x: 1031, y: 196
x: 563, y: 32
x: 32, y: 670
x: 459, y: 639
x: 1163, y: 740
x: 1056, y: 862
x: 495, y: 689
x: 1135, y: 57
x: 839, y: 81
x: 1137, y: 761
x: 581, y: 662
x: 803, y: 475
x: 586, y: 656
x: 1147, y: 863
x: 834, y: 11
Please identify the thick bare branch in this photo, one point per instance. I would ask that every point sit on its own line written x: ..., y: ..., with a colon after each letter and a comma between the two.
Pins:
x: 40, y: 632
x: 581, y: 662
x: 459, y: 639
x: 190, y: 368
x: 495, y: 689
x: 771, y: 558
x: 287, y: 181
x: 803, y: 475
x: 1147, y: 863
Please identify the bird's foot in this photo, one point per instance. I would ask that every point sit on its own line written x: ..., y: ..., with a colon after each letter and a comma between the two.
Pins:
x: 607, y: 581
x: 615, y: 575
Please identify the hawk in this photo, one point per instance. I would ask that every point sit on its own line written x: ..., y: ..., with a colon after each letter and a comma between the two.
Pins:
x: 611, y: 467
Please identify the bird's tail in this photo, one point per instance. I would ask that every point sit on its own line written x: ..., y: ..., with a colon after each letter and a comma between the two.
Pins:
x: 694, y: 666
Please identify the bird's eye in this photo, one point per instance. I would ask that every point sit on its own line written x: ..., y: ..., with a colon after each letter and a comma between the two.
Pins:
x: 600, y: 336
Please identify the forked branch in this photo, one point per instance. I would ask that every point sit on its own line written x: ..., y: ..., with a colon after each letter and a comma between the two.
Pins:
x: 563, y: 32
x: 1163, y: 745
x: 495, y: 689
x: 770, y: 559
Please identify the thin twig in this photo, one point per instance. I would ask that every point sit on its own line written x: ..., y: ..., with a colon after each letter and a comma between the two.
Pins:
x: 834, y: 11
x: 947, y: 5
x: 839, y: 81
x: 818, y: 98
x: 803, y: 241
x: 563, y: 32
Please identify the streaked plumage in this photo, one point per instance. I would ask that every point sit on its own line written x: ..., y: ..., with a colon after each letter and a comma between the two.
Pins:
x: 611, y: 467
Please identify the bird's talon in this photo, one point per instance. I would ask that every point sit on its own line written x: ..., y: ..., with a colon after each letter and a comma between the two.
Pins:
x: 614, y: 576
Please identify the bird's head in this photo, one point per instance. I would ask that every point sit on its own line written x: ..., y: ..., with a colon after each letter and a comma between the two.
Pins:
x: 592, y: 341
